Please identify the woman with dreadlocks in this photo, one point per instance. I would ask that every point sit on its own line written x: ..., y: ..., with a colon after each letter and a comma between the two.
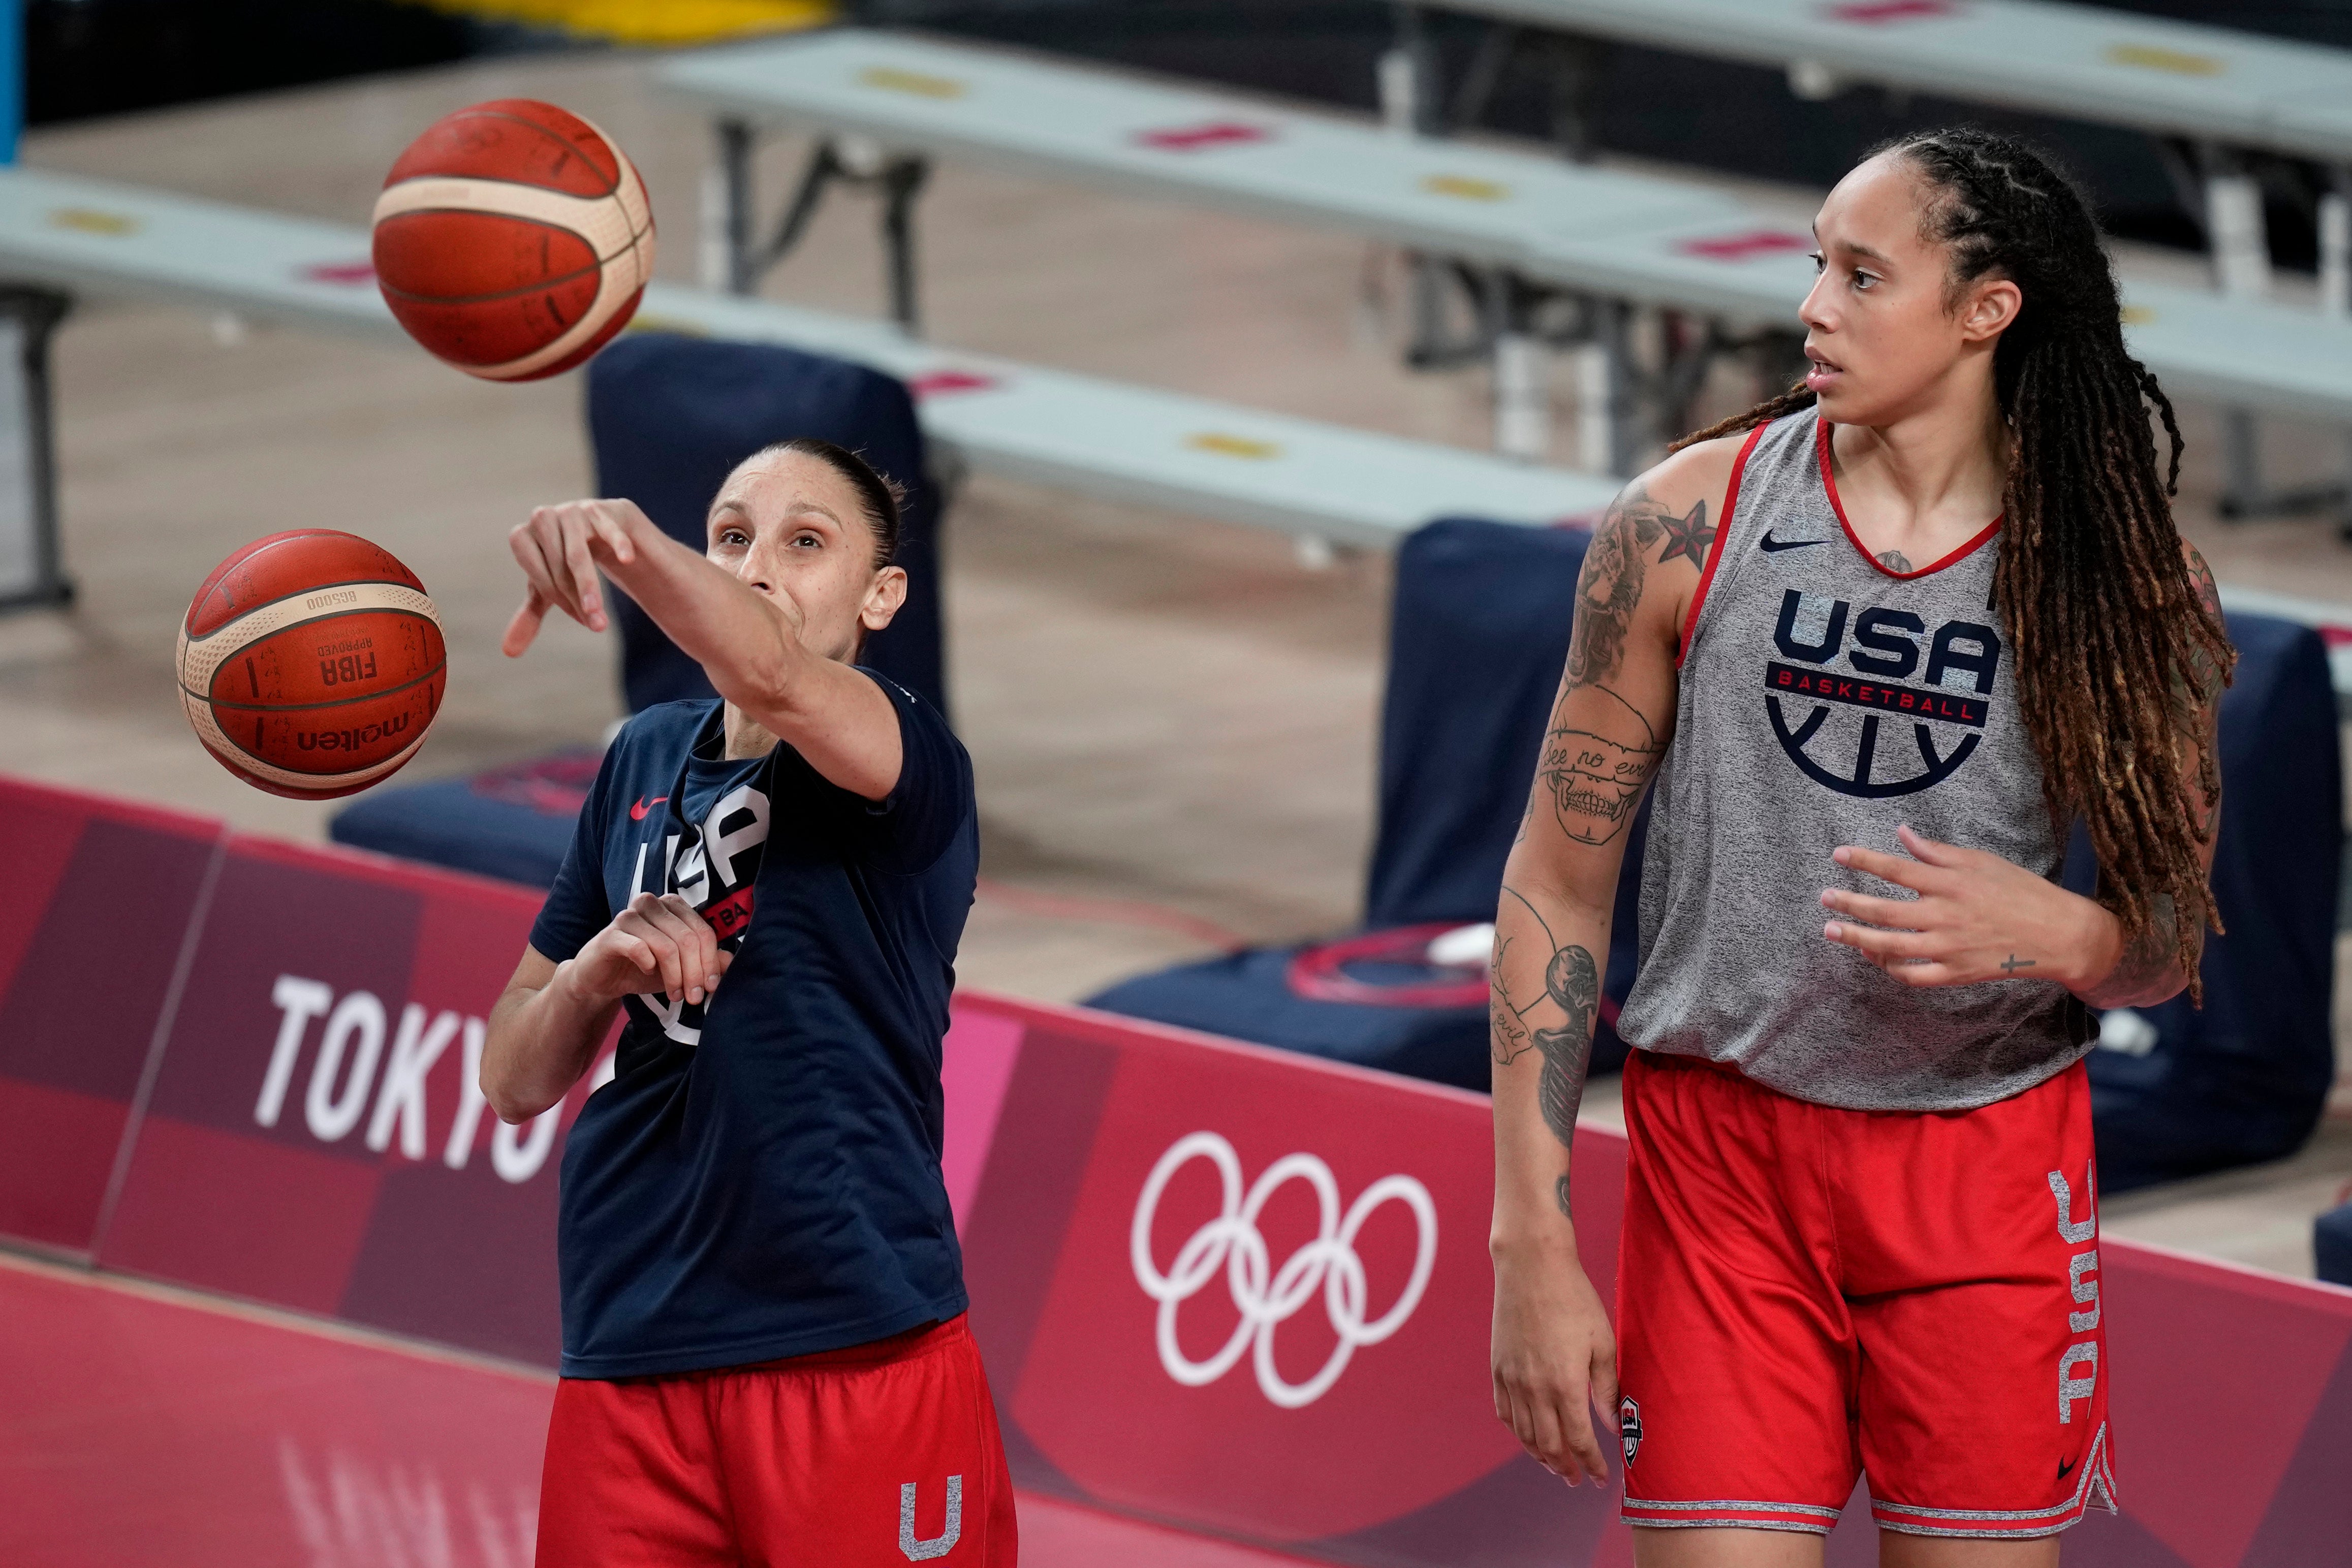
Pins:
x: 1880, y: 641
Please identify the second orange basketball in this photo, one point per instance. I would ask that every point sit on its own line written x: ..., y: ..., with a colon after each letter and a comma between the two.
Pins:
x: 311, y: 663
x: 512, y: 239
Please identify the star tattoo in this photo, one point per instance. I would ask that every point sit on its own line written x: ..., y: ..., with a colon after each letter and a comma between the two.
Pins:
x: 1688, y: 536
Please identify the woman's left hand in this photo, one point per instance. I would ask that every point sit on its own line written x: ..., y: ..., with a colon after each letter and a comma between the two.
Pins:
x: 1978, y: 916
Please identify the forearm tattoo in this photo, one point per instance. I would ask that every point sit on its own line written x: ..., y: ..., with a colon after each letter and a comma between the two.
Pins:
x: 1558, y: 1025
x: 1598, y: 754
x: 1571, y: 983
x: 1506, y: 1031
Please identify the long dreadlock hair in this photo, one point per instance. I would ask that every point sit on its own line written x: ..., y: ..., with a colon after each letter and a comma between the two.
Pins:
x: 2113, y: 647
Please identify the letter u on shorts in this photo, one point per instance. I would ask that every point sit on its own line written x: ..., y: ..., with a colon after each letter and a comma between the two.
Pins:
x: 1808, y: 1294
x: 872, y: 1456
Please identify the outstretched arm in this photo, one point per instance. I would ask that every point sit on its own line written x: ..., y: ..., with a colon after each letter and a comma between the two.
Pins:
x: 1553, y: 1352
x: 746, y: 642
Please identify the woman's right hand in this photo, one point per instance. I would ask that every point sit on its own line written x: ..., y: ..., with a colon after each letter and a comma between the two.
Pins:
x: 656, y: 944
x: 559, y: 550
x: 1554, y: 1354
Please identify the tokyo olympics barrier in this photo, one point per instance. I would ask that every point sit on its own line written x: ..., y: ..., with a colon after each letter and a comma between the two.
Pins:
x: 250, y: 1066
x: 243, y: 1065
x: 314, y: 1136
x: 97, y: 898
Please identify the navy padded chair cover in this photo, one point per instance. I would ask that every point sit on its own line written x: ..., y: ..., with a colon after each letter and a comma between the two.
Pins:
x: 514, y: 823
x: 2331, y: 1245
x: 670, y: 416
x: 2246, y: 1078
x: 1479, y: 635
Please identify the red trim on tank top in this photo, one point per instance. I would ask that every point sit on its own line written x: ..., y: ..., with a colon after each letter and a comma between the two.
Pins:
x: 1829, y: 483
x: 1715, y: 551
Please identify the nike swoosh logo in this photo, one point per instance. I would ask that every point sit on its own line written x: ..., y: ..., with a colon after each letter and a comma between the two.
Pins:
x: 1772, y: 546
x: 638, y: 812
x: 2062, y: 1468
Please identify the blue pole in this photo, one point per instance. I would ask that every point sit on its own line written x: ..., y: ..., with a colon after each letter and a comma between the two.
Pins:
x: 12, y: 77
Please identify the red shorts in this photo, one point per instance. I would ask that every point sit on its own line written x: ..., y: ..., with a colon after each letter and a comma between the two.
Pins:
x: 872, y: 1456
x: 1806, y: 1294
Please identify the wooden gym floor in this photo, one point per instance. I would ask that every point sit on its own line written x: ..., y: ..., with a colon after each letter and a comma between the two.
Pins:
x: 1173, y: 720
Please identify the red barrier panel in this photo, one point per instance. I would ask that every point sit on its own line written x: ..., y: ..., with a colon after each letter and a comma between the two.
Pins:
x: 96, y: 901
x: 1227, y: 1288
x: 315, y: 1137
x: 1196, y: 1276
x: 1217, y: 1286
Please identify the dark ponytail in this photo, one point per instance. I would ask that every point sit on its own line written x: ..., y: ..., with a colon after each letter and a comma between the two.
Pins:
x: 2115, y: 648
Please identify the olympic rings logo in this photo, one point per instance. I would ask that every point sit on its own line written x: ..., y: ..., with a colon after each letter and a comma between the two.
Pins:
x: 1231, y: 1242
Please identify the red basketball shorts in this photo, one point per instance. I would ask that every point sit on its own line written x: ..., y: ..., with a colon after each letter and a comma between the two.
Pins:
x: 872, y: 1456
x: 1807, y: 1294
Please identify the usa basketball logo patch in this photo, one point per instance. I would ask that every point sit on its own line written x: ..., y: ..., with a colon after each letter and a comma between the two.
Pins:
x: 1900, y: 674
x: 1629, y: 1428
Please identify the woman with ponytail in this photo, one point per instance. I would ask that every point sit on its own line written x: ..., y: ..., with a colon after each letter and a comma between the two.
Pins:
x: 1879, y: 643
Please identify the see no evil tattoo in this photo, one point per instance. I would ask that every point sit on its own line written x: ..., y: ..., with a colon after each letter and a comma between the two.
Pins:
x: 1595, y: 768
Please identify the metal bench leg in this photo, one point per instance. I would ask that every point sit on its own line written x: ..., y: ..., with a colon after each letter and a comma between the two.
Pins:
x: 726, y: 211
x: 1615, y: 324
x: 1691, y: 345
x: 2242, y: 270
x: 2336, y: 291
x: 738, y: 260
x: 1482, y: 76
x: 32, y: 567
x: 2233, y: 226
x: 1608, y: 419
x: 825, y: 166
x: 1408, y: 84
x: 902, y: 181
x: 1521, y: 365
x: 2335, y: 245
x: 1522, y: 396
x: 1576, y: 65
x: 2243, y: 495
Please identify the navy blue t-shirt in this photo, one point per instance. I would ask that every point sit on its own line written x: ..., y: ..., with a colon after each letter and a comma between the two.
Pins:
x: 761, y: 1177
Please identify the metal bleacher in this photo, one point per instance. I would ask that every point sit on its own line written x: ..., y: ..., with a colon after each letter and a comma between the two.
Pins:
x: 64, y: 234
x: 1536, y: 227
x: 2079, y: 62
x: 1628, y: 240
x: 2249, y: 354
x: 2221, y: 102
x: 884, y: 103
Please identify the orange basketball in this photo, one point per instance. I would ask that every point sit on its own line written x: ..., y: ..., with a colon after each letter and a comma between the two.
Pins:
x: 512, y: 239
x: 311, y: 664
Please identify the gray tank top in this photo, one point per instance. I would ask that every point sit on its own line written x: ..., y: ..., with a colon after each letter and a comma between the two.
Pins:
x: 1825, y: 700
